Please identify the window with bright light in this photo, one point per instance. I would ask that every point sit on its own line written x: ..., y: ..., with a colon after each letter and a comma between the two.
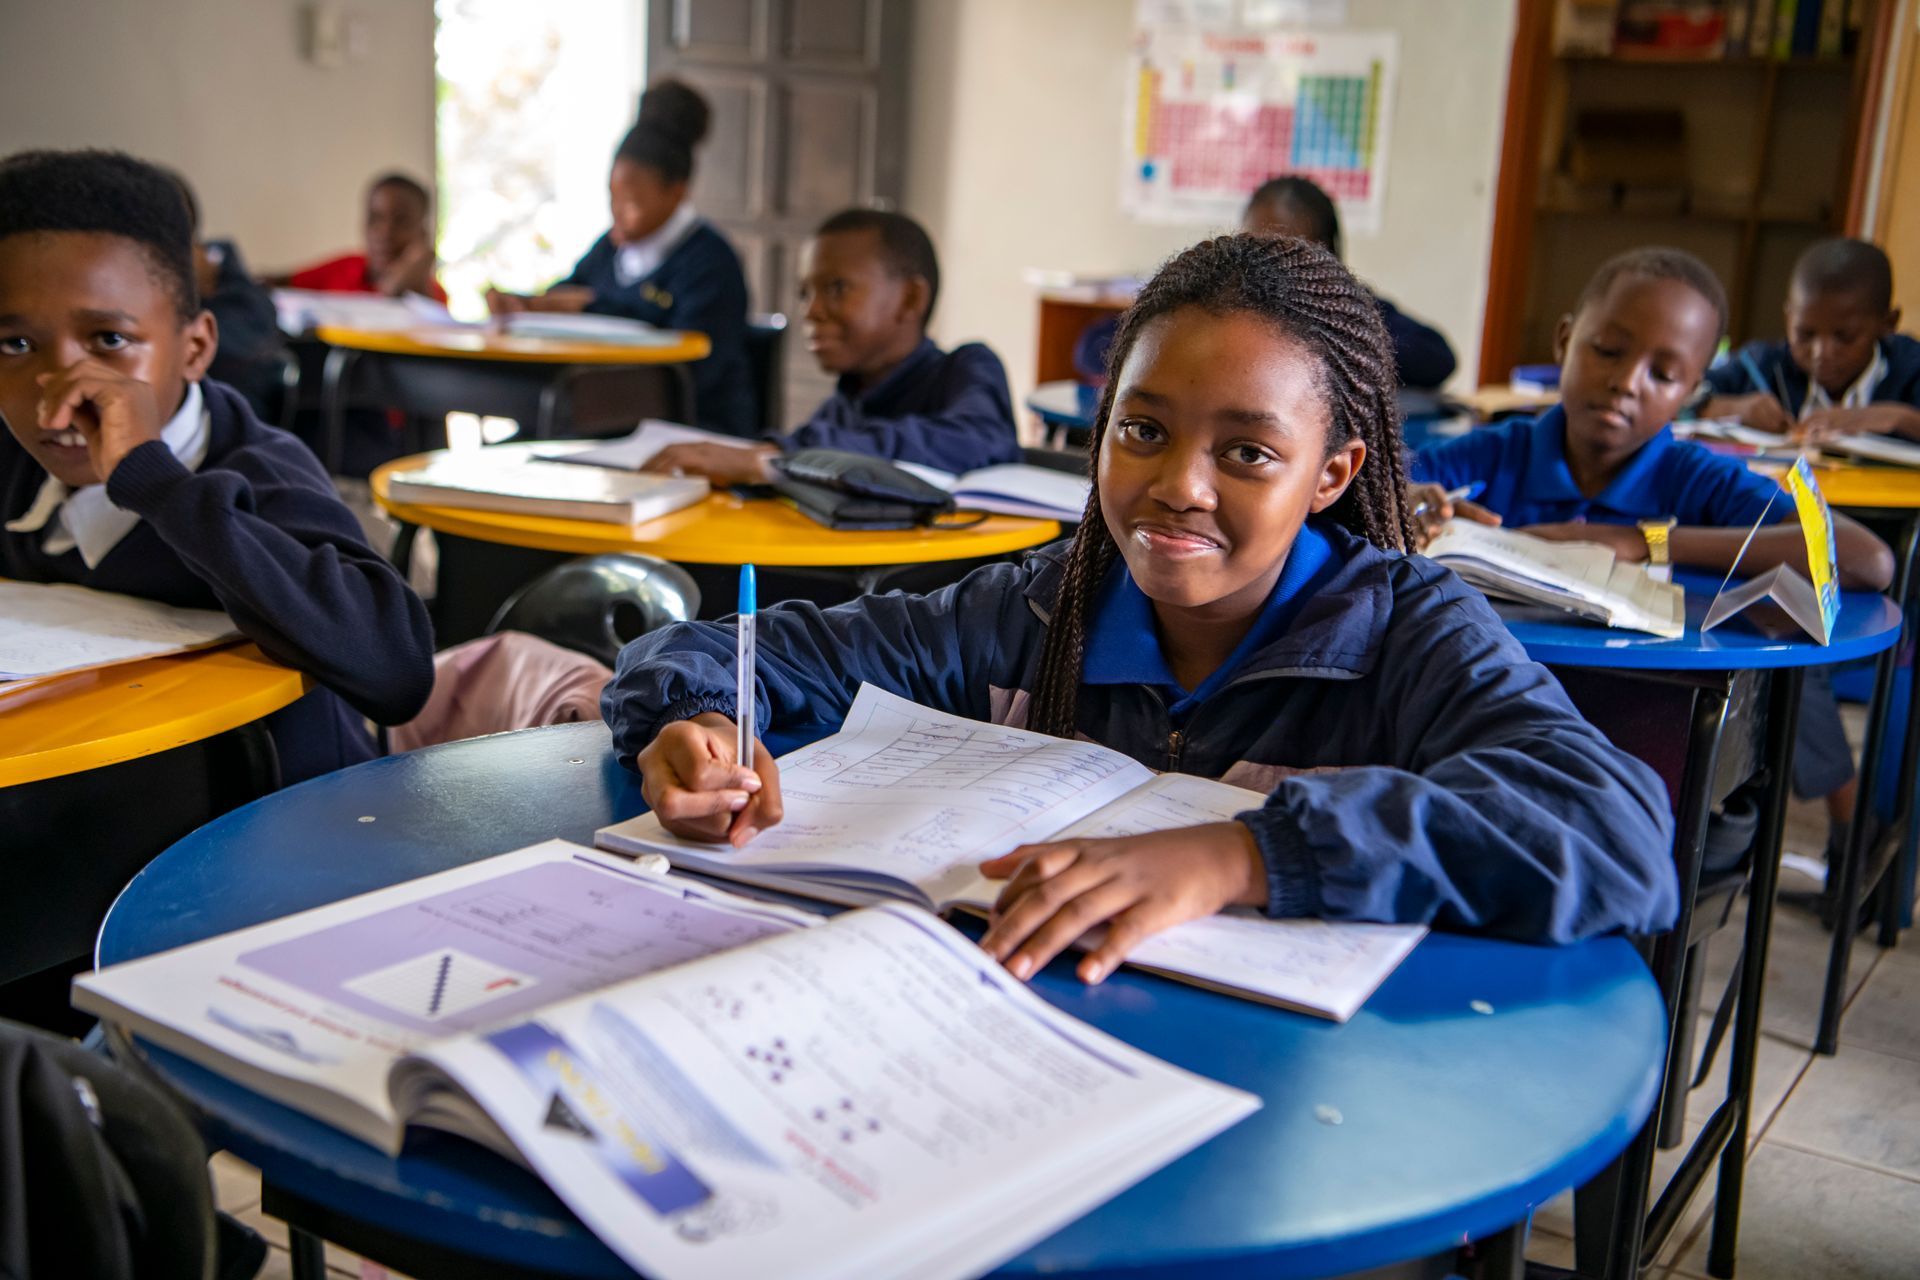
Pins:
x: 533, y: 98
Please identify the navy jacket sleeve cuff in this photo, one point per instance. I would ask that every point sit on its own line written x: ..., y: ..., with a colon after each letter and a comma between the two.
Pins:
x: 144, y: 478
x: 1293, y: 881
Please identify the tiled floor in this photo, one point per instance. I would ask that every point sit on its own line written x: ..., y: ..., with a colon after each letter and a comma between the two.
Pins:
x: 1833, y: 1185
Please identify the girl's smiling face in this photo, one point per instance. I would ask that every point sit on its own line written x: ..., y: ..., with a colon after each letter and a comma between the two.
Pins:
x: 1214, y: 455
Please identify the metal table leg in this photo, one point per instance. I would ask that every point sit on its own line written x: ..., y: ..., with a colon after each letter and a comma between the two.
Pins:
x: 1782, y: 705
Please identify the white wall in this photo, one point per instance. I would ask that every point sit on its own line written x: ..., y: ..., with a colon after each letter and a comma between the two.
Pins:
x: 278, y: 150
x: 1016, y: 133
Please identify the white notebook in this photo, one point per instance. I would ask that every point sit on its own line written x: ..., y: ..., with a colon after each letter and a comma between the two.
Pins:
x: 1582, y: 578
x: 579, y: 326
x: 904, y: 802
x: 717, y: 1087
x: 632, y: 452
x: 533, y: 486
x: 1013, y: 489
x: 49, y: 629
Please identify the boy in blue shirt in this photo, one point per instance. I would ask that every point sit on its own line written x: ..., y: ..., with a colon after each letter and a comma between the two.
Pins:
x: 1603, y: 466
x: 1844, y: 369
x: 126, y: 470
x: 869, y: 281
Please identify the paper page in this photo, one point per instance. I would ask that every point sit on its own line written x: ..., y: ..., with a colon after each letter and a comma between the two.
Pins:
x: 1024, y: 490
x: 48, y: 628
x: 932, y: 475
x: 619, y: 330
x: 1312, y: 965
x: 1878, y: 448
x: 299, y: 311
x: 630, y: 453
x: 329, y: 998
x: 1506, y: 559
x: 912, y: 793
x: 855, y: 1100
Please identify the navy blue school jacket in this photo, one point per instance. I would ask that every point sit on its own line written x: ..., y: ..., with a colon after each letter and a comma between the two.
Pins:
x: 1420, y: 351
x: 256, y: 532
x: 1523, y: 463
x: 945, y: 409
x: 1775, y: 362
x: 1417, y: 766
x: 699, y: 286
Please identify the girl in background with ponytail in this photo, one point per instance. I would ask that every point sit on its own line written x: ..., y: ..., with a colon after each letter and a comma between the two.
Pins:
x: 1238, y: 603
x: 663, y: 263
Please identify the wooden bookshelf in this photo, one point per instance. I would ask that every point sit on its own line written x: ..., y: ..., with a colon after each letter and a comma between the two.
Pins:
x: 1773, y: 156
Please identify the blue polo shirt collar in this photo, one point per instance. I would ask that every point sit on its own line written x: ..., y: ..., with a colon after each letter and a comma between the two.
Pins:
x: 1550, y: 479
x: 847, y: 384
x: 1123, y: 646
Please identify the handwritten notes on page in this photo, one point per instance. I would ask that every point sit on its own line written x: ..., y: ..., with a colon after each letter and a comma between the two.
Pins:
x: 47, y: 629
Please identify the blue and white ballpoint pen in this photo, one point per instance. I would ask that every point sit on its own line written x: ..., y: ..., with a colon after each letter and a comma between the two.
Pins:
x: 744, y: 656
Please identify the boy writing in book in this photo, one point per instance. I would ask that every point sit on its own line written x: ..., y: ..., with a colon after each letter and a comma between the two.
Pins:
x: 869, y: 280
x: 1603, y: 466
x: 1844, y: 368
x: 1236, y: 604
x: 127, y: 470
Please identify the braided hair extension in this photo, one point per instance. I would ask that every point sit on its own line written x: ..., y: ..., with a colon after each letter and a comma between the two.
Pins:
x: 1304, y: 292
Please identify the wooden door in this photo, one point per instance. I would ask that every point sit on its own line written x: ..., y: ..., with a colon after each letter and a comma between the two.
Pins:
x: 809, y: 117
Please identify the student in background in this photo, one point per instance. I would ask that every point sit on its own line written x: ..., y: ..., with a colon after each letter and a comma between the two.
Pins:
x: 399, y: 256
x: 1235, y: 605
x: 1296, y: 206
x: 663, y: 263
x: 126, y: 470
x: 1603, y: 466
x: 869, y: 280
x: 252, y: 350
x: 1844, y: 368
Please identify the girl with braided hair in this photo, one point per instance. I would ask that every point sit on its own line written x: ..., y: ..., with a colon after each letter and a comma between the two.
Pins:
x: 1237, y: 604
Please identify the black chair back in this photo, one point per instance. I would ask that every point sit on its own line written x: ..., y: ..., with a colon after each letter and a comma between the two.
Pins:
x: 766, y: 362
x: 597, y: 604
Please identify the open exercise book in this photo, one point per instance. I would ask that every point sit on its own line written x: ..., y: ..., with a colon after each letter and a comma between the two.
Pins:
x: 1583, y: 578
x: 904, y: 802
x: 716, y: 1086
x: 1891, y: 450
x: 49, y: 629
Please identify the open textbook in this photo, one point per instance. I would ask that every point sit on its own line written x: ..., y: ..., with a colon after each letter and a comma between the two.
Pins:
x: 49, y: 629
x: 717, y: 1087
x: 904, y: 803
x: 1011, y: 489
x: 1892, y: 450
x: 1582, y: 578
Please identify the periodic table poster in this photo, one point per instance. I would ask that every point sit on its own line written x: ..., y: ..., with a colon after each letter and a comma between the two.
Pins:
x: 1213, y: 114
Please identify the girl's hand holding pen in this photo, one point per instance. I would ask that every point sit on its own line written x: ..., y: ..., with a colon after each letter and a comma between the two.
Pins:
x: 693, y: 781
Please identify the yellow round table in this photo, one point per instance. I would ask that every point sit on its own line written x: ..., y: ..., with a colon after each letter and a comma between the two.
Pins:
x: 550, y: 386
x: 1885, y: 488
x: 723, y: 530
x: 68, y: 724
x: 488, y: 344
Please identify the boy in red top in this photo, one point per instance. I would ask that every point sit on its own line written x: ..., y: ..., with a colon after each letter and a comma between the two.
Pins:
x: 399, y: 257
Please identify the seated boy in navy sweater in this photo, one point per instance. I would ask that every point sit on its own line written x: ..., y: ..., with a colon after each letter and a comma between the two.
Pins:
x: 869, y: 281
x: 1841, y: 330
x: 125, y: 471
x: 1603, y: 466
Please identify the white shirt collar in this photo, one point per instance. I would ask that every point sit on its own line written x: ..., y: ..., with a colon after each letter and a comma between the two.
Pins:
x: 635, y: 262
x: 1857, y: 396
x: 86, y: 517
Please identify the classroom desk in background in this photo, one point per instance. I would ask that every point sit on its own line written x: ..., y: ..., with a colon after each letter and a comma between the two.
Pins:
x: 1709, y: 713
x: 486, y: 555
x: 101, y: 770
x: 1066, y: 411
x: 550, y: 386
x: 1481, y: 1079
x: 1499, y: 400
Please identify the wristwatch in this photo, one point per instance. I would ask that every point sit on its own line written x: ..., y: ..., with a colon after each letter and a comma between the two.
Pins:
x: 1655, y: 532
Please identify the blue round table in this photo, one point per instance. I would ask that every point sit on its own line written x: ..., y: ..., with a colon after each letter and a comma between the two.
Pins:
x: 1481, y: 1080
x: 1709, y: 712
x: 1064, y: 407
